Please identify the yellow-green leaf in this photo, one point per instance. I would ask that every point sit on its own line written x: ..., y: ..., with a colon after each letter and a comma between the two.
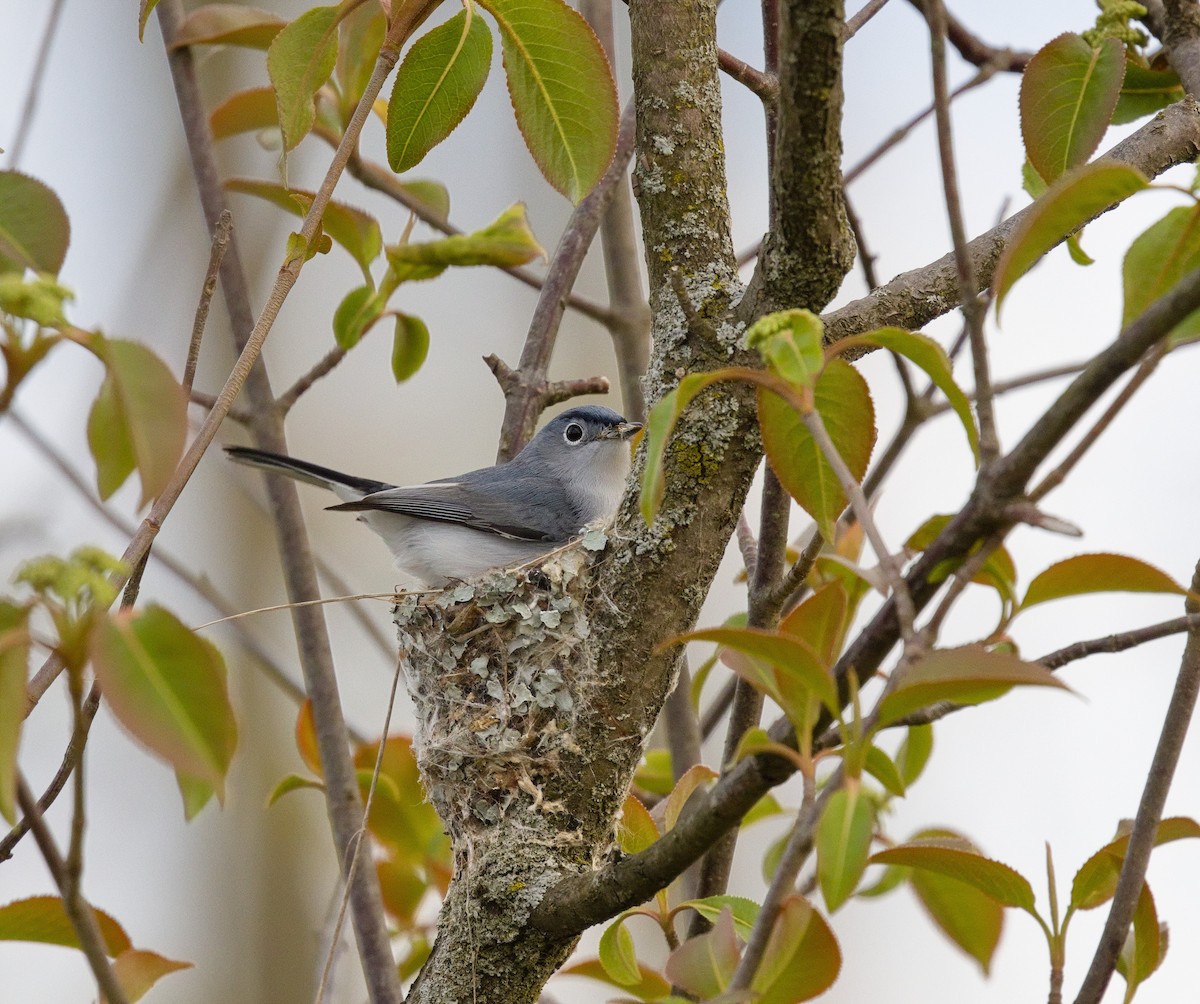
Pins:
x: 293, y: 782
x: 1096, y: 881
x: 137, y: 970
x: 145, y: 9
x: 562, y: 91
x: 1098, y: 573
x: 436, y: 86
x: 821, y: 621
x: 791, y: 343
x: 617, y: 954
x: 166, y: 685
x: 1068, y: 204
x: 1157, y: 260
x: 1145, y: 945
x: 196, y: 794
x: 968, y: 675
x: 139, y: 419
x: 1068, y: 92
x: 843, y: 842
x: 228, y: 24
x: 34, y: 229
x: 636, y: 829
x: 842, y: 399
x: 1145, y: 91
x: 697, y: 776
x: 743, y: 911
x: 299, y: 61
x: 360, y: 37
x: 802, y: 958
x: 44, y: 919
x: 410, y: 346
x: 506, y: 242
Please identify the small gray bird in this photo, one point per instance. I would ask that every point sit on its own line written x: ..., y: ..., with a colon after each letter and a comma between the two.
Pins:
x: 571, y: 474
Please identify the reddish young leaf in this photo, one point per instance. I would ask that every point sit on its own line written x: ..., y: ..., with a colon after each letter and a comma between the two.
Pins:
x: 228, y: 24
x: 1068, y: 93
x: 1098, y: 573
x: 802, y: 958
x: 245, y: 111
x: 649, y: 987
x: 306, y: 738
x: 704, y: 965
x: 821, y: 621
x: 968, y: 675
x: 166, y: 685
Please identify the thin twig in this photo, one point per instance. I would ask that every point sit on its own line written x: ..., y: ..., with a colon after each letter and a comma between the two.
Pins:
x: 973, y: 49
x: 716, y: 710
x: 220, y: 241
x: 323, y: 367
x: 208, y: 401
x: 989, y: 444
x: 29, y: 106
x: 79, y: 912
x: 862, y: 16
x: 522, y: 406
x: 783, y: 882
x: 793, y: 580
x: 1056, y: 477
x: 360, y: 836
x: 747, y: 545
x: 683, y: 730
x: 961, y: 579
x: 1149, y: 813
x: 764, y: 86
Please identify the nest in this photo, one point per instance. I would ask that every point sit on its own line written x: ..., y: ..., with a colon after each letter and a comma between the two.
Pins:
x: 492, y: 669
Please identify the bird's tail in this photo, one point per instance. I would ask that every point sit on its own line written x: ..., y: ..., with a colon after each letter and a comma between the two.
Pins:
x: 345, y: 486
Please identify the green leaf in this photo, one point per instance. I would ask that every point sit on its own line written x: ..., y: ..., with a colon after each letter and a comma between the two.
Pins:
x: 617, y: 954
x: 650, y: 987
x: 137, y: 970
x: 1068, y: 93
x: 245, y: 111
x: 139, y: 419
x: 802, y: 958
x: 791, y: 657
x: 972, y: 919
x: 704, y: 965
x: 360, y: 37
x: 562, y: 91
x: 355, y: 230
x: 43, y: 919
x: 1145, y: 91
x: 998, y: 571
x: 34, y: 229
x: 293, y: 782
x: 1144, y: 947
x: 636, y: 829
x: 1096, y: 881
x: 431, y: 194
x: 743, y: 911
x: 923, y: 351
x: 956, y: 859
x: 1157, y: 260
x: 196, y: 794
x: 1068, y: 204
x: 844, y: 402
x: 355, y: 315
x: 436, y: 86
x: 1098, y: 573
x: 506, y: 242
x: 791, y: 343
x: 968, y: 675
x: 14, y: 672
x: 914, y: 752
x: 654, y: 772
x: 696, y: 776
x: 166, y: 685
x: 843, y: 842
x: 228, y: 24
x: 145, y: 9
x: 410, y: 346
x: 299, y: 61
x: 881, y: 767
x: 821, y: 621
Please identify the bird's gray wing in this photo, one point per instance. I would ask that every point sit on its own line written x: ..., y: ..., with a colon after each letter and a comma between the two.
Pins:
x: 517, y: 507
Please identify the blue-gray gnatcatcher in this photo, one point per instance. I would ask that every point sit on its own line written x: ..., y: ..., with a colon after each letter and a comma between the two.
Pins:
x: 571, y: 474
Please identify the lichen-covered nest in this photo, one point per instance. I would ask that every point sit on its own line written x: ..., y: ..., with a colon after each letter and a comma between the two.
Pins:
x: 491, y: 666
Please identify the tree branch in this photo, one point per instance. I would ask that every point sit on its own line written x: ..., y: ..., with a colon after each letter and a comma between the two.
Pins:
x: 973, y: 49
x: 1149, y: 813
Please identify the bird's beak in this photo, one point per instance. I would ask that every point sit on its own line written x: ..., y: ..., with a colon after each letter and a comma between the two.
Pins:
x: 623, y: 430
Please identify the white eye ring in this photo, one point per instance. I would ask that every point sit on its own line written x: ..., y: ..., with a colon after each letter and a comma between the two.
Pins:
x: 573, y: 433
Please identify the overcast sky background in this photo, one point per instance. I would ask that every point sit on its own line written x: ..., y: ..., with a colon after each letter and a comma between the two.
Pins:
x: 244, y: 892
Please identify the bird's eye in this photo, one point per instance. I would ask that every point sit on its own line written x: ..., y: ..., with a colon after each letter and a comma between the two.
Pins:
x: 573, y: 433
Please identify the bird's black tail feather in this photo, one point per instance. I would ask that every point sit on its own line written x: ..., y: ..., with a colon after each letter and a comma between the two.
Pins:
x: 301, y: 470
